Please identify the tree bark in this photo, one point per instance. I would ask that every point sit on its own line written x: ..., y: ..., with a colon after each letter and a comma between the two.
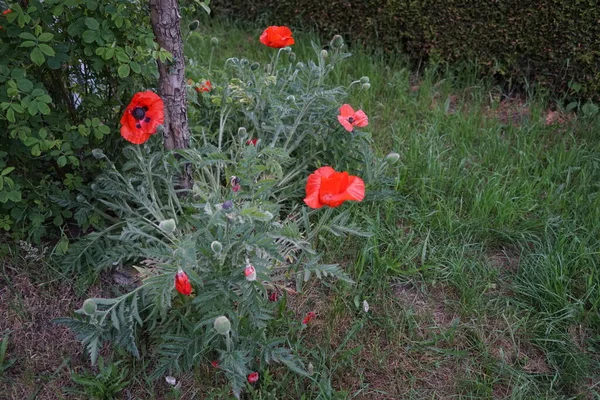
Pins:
x: 166, y: 26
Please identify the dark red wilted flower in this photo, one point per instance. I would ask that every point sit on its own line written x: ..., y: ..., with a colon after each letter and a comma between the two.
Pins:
x: 349, y: 118
x: 204, y: 87
x: 235, y: 183
x: 215, y: 363
x: 325, y: 187
x: 252, y: 141
x: 6, y: 11
x: 142, y: 116
x: 253, y: 377
x: 277, y: 37
x: 182, y: 283
x: 273, y: 296
x: 309, y: 316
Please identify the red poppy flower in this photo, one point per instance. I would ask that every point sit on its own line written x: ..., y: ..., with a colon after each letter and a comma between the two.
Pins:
x: 142, y: 116
x: 215, y: 363
x: 308, y: 318
x: 253, y: 377
x: 182, y: 283
x: 6, y: 11
x: 273, y: 296
x: 252, y: 141
x: 205, y: 87
x: 277, y: 37
x: 325, y: 187
x: 349, y: 118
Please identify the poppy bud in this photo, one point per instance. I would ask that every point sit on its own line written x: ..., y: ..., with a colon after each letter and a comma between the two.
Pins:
x: 300, y: 65
x: 287, y: 49
x: 222, y: 325
x: 292, y: 57
x: 80, y: 198
x: 227, y: 205
x: 392, y: 158
x: 364, y: 79
x: 182, y: 283
x: 216, y: 247
x: 98, y: 153
x: 290, y: 99
x: 194, y: 25
x: 94, y: 187
x: 254, y: 66
x: 245, y: 62
x: 214, y: 42
x: 324, y: 53
x: 366, y: 86
x: 268, y: 68
x: 310, y: 369
x: 253, y: 377
x: 89, y: 307
x: 250, y: 273
x: 337, y: 42
x: 168, y: 225
x: 242, y: 132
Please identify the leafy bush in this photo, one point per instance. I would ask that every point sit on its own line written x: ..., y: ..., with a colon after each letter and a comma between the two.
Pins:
x: 61, y: 64
x: 553, y: 42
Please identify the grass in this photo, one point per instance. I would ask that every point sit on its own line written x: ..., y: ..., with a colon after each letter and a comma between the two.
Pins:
x: 481, y: 274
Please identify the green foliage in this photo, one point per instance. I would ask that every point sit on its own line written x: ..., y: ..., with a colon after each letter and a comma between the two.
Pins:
x: 553, y: 42
x: 5, y: 363
x: 60, y: 96
x: 110, y: 380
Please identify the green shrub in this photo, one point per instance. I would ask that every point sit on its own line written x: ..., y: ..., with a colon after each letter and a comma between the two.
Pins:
x: 554, y: 43
x: 62, y: 65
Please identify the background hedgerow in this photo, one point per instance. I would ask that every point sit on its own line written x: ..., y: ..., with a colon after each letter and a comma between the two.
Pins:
x: 548, y: 43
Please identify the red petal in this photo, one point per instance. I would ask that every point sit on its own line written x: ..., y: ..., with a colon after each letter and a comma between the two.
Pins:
x: 313, y: 187
x: 346, y: 110
x: 360, y: 119
x: 345, y: 123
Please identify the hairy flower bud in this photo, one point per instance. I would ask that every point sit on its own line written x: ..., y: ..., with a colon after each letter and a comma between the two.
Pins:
x: 182, y: 283
x: 89, y: 307
x: 222, y: 325
x: 292, y: 57
x: 290, y: 99
x: 194, y: 25
x: 250, y: 273
x: 216, y: 247
x: 324, y: 53
x: 98, y: 153
x: 287, y: 49
x: 268, y: 68
x: 254, y: 66
x: 168, y: 225
x: 244, y: 62
x: 366, y: 86
x: 337, y: 42
x: 392, y: 158
x: 214, y: 42
x: 364, y: 79
x: 242, y: 132
x: 300, y: 65
x: 80, y: 198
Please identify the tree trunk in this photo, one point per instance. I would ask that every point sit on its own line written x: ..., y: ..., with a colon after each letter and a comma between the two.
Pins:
x: 165, y: 24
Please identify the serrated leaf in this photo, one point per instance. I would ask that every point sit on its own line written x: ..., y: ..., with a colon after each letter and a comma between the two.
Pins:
x: 124, y: 70
x: 37, y: 56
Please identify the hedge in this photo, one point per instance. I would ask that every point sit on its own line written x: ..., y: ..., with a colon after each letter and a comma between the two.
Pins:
x: 554, y: 42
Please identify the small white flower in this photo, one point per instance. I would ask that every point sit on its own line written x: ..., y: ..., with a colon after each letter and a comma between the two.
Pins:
x: 365, y: 306
x: 170, y: 380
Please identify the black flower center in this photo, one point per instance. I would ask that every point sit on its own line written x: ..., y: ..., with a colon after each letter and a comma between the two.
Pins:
x: 139, y: 113
x: 351, y: 120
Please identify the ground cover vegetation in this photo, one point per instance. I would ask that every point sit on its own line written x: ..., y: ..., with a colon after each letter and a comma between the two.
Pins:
x: 468, y: 270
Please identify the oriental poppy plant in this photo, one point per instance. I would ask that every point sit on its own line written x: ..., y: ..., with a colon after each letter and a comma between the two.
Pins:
x: 182, y: 283
x: 277, y: 37
x: 326, y: 187
x: 141, y: 117
x: 350, y: 118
